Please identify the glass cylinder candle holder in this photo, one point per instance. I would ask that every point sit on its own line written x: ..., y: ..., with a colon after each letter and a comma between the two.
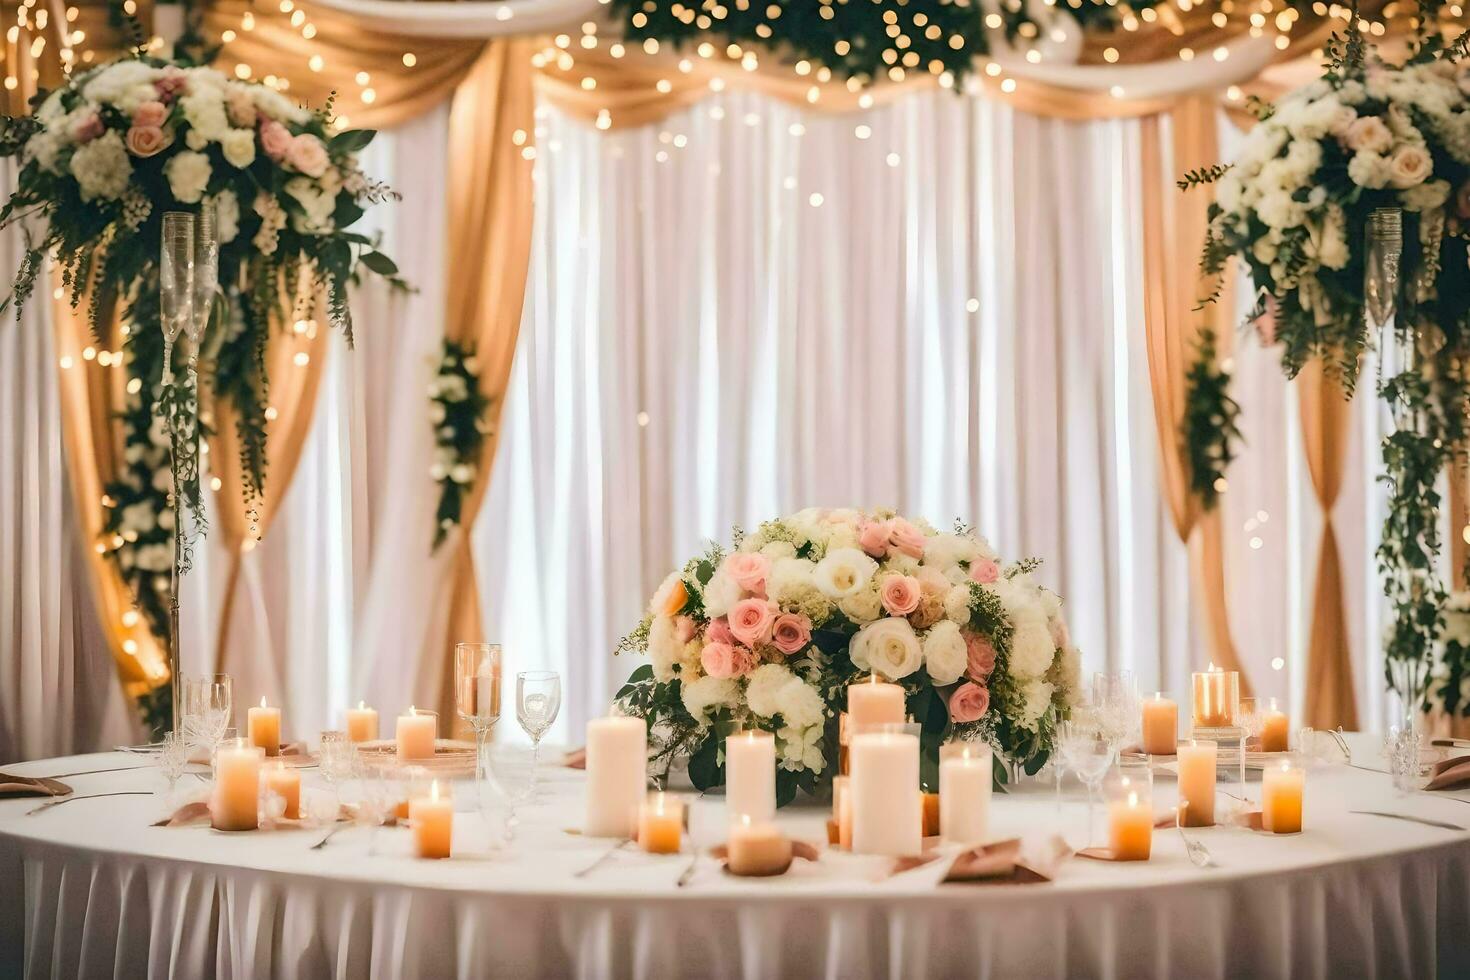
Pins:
x: 1283, y: 787
x: 1129, y: 793
x: 661, y: 824
x: 1216, y: 701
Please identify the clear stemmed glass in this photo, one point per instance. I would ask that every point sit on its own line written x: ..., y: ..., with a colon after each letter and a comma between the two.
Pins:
x: 1085, y: 745
x: 1115, y: 695
x: 208, y: 702
x: 538, y: 699
x: 477, y: 694
x: 173, y: 758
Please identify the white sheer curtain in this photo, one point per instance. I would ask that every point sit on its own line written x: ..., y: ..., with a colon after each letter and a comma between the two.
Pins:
x: 753, y: 308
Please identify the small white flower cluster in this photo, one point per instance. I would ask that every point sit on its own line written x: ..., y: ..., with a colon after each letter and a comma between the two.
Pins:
x: 1285, y: 201
x: 460, y: 426
x: 892, y: 597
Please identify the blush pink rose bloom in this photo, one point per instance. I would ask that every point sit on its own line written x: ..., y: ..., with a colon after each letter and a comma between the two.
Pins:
x: 275, y: 139
x: 984, y: 570
x: 900, y: 594
x: 151, y: 113
x: 719, y: 631
x: 749, y: 571
x: 171, y: 84
x: 307, y: 154
x: 145, y: 141
x: 979, y: 657
x: 873, y: 538
x: 684, y: 629
x: 718, y: 660
x: 906, y: 538
x: 791, y: 632
x: 969, y: 702
x: 751, y: 621
x: 932, y: 581
x: 87, y: 128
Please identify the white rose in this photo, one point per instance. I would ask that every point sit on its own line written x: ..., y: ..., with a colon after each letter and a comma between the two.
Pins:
x: 438, y: 471
x: 1409, y: 166
x: 436, y: 412
x: 1278, y: 209
x: 862, y: 607
x: 663, y: 648
x: 162, y: 480
x: 844, y: 572
x: 720, y: 593
x: 704, y: 693
x: 763, y: 689
x: 1035, y: 699
x: 276, y: 105
x: 888, y: 647
x: 238, y: 146
x: 205, y: 114
x: 1427, y: 196
x: 1368, y: 169
x: 1368, y: 133
x: 944, y: 653
x: 188, y: 175
x: 102, y: 168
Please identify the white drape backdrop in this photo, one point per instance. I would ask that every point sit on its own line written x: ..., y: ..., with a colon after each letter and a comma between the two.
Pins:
x: 952, y: 328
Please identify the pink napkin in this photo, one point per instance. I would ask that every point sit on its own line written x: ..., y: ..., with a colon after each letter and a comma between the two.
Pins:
x: 1005, y: 862
x: 18, y: 786
x: 575, y: 759
x: 1451, y: 773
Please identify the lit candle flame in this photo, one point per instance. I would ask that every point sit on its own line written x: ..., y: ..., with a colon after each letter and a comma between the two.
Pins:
x: 262, y: 700
x: 361, y: 705
x: 434, y: 790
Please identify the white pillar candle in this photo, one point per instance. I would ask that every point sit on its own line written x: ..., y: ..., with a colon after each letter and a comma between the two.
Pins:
x: 263, y: 725
x: 873, y: 702
x: 750, y: 776
x: 887, y: 810
x: 416, y: 733
x: 965, y: 778
x: 235, y: 804
x: 1197, y: 784
x: 617, y: 764
x: 362, y: 723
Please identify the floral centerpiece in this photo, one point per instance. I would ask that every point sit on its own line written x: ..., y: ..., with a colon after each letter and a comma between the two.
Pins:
x: 1350, y: 206
x: 103, y: 157
x: 770, y: 635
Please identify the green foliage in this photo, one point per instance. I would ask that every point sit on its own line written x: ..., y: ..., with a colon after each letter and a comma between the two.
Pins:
x: 1210, y: 429
x: 1202, y: 176
x: 461, y: 422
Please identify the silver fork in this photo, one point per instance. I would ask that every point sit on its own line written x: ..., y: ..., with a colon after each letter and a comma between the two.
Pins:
x: 88, y: 796
x: 336, y: 829
x: 605, y: 855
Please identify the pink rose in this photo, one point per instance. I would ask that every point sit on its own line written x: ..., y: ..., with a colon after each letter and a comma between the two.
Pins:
x: 307, y: 154
x: 969, y: 702
x: 1061, y: 637
x: 979, y: 657
x: 170, y: 85
x: 719, y: 632
x: 275, y: 139
x: 684, y: 629
x: 932, y: 581
x: 241, y: 108
x: 984, y: 570
x: 87, y: 128
x: 751, y: 621
x: 150, y: 113
x: 791, y: 632
x: 718, y: 660
x: 900, y: 594
x: 873, y: 538
x: 749, y: 571
x: 145, y: 141
x: 906, y: 538
x: 1368, y: 133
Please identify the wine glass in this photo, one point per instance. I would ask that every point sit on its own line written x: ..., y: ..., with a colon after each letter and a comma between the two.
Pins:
x: 208, y: 702
x: 1115, y: 694
x: 1085, y: 744
x: 477, y: 693
x: 538, y: 699
x: 173, y: 757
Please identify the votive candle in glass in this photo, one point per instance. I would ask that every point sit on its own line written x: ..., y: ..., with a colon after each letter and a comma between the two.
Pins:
x: 661, y: 824
x: 1275, y: 727
x: 1160, y: 725
x: 416, y: 732
x: 1216, y: 702
x: 757, y: 848
x: 1130, y: 813
x: 263, y: 725
x: 432, y: 819
x: 1197, y: 783
x: 1282, y: 789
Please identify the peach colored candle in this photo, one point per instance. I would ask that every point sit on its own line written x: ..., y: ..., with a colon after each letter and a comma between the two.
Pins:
x: 1131, y: 828
x: 1274, y: 729
x: 236, y: 801
x: 661, y: 825
x: 1197, y: 783
x: 1282, y: 789
x: 416, y: 733
x: 285, y: 782
x: 757, y: 849
x: 1216, y: 698
x: 362, y: 723
x: 842, y: 810
x: 873, y: 702
x: 1160, y: 726
x: 263, y: 724
x: 432, y: 818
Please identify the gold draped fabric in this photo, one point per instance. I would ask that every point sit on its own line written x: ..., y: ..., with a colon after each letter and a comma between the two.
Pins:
x: 292, y: 395
x: 1173, y: 230
x: 489, y: 254
x: 1325, y: 414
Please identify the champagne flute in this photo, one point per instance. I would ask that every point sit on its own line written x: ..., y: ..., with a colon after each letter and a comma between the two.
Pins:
x: 538, y: 699
x: 477, y: 693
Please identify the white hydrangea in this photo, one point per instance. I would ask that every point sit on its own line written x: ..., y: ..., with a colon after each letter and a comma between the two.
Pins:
x: 720, y: 593
x: 789, y: 576
x: 45, y: 148
x: 1367, y: 169
x: 763, y: 689
x: 799, y: 704
x: 801, y: 748
x: 102, y: 168
x: 138, y: 517
x: 704, y: 693
x: 316, y: 204
x: 276, y: 105
x: 227, y: 216
x: 663, y: 648
x: 776, y: 550
x: 205, y: 114
x: 1035, y: 699
x: 844, y: 572
x: 110, y: 83
x: 188, y: 175
x: 957, y: 604
x: 944, y: 653
x: 238, y: 146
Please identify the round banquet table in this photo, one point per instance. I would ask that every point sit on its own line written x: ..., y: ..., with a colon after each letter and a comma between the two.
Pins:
x: 90, y: 889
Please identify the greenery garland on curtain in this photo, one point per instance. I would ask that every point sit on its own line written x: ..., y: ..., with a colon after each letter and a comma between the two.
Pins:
x: 1297, y: 209
x: 458, y: 410
x: 103, y: 157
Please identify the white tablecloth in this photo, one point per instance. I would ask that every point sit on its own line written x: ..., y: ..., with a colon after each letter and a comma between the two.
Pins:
x: 89, y: 889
